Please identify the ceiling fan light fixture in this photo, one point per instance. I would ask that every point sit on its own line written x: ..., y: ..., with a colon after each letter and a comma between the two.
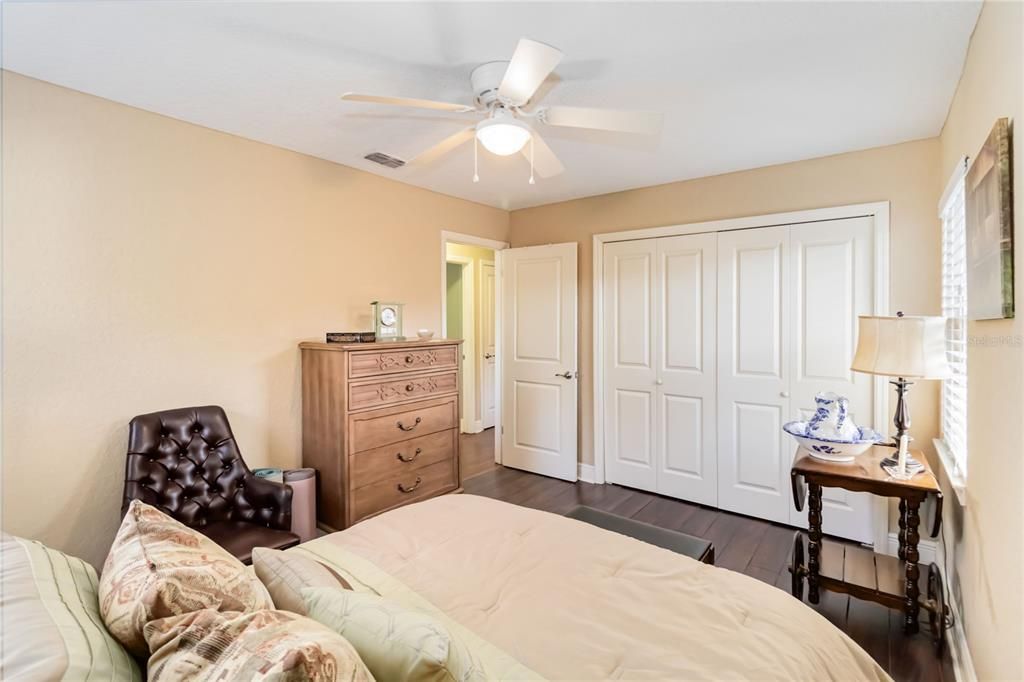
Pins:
x: 503, y: 135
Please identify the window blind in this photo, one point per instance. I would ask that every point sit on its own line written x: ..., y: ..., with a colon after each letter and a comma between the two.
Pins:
x: 954, y: 309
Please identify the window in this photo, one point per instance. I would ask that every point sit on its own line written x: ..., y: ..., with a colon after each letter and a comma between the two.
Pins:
x: 953, y: 446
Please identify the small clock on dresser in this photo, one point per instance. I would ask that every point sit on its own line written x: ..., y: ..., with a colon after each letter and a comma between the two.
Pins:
x: 387, y: 321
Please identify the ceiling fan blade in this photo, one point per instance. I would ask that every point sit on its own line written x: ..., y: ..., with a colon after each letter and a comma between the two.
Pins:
x: 443, y: 147
x: 644, y: 122
x: 407, y: 102
x: 545, y: 163
x: 531, y: 63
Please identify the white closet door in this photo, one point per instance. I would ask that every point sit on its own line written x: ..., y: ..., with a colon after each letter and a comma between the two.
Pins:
x: 630, y: 400
x: 832, y: 266
x: 684, y: 330
x: 754, y: 330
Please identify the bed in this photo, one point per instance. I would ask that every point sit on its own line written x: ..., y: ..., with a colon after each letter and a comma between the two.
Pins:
x: 542, y: 596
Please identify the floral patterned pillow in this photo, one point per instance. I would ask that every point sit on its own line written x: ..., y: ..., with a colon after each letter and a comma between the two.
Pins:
x: 158, y: 567
x: 263, y: 645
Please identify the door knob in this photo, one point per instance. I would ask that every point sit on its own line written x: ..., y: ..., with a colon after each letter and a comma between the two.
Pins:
x: 659, y: 382
x: 783, y: 394
x: 564, y: 375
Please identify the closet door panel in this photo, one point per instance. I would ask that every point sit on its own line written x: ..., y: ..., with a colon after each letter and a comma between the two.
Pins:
x: 682, y: 447
x: 630, y: 398
x: 832, y: 266
x: 685, y: 294
x: 754, y: 302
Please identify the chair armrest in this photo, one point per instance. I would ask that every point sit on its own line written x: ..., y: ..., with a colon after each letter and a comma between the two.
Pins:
x: 270, y: 503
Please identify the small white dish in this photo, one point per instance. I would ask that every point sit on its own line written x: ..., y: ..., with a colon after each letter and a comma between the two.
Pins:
x: 425, y: 334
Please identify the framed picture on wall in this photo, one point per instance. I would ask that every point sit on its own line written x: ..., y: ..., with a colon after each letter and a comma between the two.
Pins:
x: 989, y: 212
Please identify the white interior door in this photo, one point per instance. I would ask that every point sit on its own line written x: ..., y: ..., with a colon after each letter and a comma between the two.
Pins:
x: 685, y: 305
x: 487, y: 345
x: 754, y: 339
x: 630, y: 375
x: 539, y: 363
x: 832, y: 268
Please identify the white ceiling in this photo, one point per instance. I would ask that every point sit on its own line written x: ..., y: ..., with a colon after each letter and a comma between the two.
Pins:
x: 741, y: 85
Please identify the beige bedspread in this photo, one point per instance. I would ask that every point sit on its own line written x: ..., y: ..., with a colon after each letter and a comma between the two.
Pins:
x: 571, y: 601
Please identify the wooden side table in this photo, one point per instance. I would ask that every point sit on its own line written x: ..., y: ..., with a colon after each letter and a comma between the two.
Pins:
x: 894, y: 581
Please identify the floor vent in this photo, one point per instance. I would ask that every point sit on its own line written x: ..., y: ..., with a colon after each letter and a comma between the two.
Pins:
x: 385, y: 160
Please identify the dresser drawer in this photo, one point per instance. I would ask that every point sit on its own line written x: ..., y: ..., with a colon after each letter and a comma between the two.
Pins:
x: 396, y: 390
x: 401, y: 458
x: 404, y: 488
x: 382, y: 427
x: 371, y: 363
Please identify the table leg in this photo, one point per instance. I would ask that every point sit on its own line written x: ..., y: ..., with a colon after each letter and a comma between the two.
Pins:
x: 903, y: 530
x: 814, y: 541
x: 911, y: 605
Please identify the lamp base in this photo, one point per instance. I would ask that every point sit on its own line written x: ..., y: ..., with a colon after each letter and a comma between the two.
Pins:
x: 894, y: 460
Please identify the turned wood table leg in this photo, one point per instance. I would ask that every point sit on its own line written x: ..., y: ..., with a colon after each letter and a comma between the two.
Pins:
x: 814, y: 541
x: 911, y: 605
x: 902, y: 553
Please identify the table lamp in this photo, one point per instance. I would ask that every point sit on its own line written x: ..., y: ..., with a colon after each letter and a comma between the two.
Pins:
x: 901, y: 347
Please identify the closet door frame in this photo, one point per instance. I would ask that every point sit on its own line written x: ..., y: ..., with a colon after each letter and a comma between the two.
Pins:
x: 879, y: 211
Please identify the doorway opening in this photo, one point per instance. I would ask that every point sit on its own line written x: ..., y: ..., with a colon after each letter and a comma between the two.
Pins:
x: 469, y: 304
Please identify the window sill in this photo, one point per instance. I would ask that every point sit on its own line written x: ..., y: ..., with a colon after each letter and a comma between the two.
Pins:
x: 956, y: 480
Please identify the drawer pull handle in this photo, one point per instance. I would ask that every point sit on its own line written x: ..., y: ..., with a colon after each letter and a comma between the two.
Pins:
x: 409, y: 428
x: 403, y: 489
x: 409, y: 359
x: 409, y: 459
x: 409, y: 388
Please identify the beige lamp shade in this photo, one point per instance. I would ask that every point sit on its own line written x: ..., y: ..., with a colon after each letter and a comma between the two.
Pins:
x: 910, y: 347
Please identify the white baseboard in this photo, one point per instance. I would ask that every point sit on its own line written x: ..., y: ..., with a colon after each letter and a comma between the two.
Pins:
x: 586, y: 473
x: 956, y: 640
x: 925, y: 550
x: 956, y: 636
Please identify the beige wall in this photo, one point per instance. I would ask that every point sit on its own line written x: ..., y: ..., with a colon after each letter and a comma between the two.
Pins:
x: 150, y: 264
x: 906, y: 175
x: 988, y: 533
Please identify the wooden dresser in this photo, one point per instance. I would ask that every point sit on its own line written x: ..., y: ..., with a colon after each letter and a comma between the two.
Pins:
x: 380, y: 424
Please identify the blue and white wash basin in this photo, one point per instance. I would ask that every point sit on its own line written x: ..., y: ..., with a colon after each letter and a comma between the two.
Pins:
x: 831, y: 435
x: 829, y: 449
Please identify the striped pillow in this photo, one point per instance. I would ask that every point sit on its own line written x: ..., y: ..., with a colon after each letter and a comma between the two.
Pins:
x: 285, y: 575
x: 52, y: 627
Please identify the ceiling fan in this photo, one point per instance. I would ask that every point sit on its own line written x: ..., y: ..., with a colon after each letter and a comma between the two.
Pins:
x: 502, y: 90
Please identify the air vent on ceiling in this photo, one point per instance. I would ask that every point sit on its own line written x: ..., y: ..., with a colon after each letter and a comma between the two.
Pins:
x: 385, y: 160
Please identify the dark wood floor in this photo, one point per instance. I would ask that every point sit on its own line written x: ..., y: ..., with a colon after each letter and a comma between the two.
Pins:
x: 476, y: 453
x: 751, y: 546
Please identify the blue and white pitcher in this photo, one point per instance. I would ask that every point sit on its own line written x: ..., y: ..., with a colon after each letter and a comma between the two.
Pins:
x: 831, y: 419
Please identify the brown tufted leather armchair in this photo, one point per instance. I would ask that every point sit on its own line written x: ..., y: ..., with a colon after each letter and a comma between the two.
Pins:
x: 186, y: 463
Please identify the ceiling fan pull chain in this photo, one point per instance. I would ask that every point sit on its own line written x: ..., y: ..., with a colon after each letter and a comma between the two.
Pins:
x: 532, y: 181
x: 476, y: 175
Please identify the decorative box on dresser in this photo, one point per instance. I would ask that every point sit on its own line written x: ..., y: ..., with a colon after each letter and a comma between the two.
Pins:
x: 380, y: 424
